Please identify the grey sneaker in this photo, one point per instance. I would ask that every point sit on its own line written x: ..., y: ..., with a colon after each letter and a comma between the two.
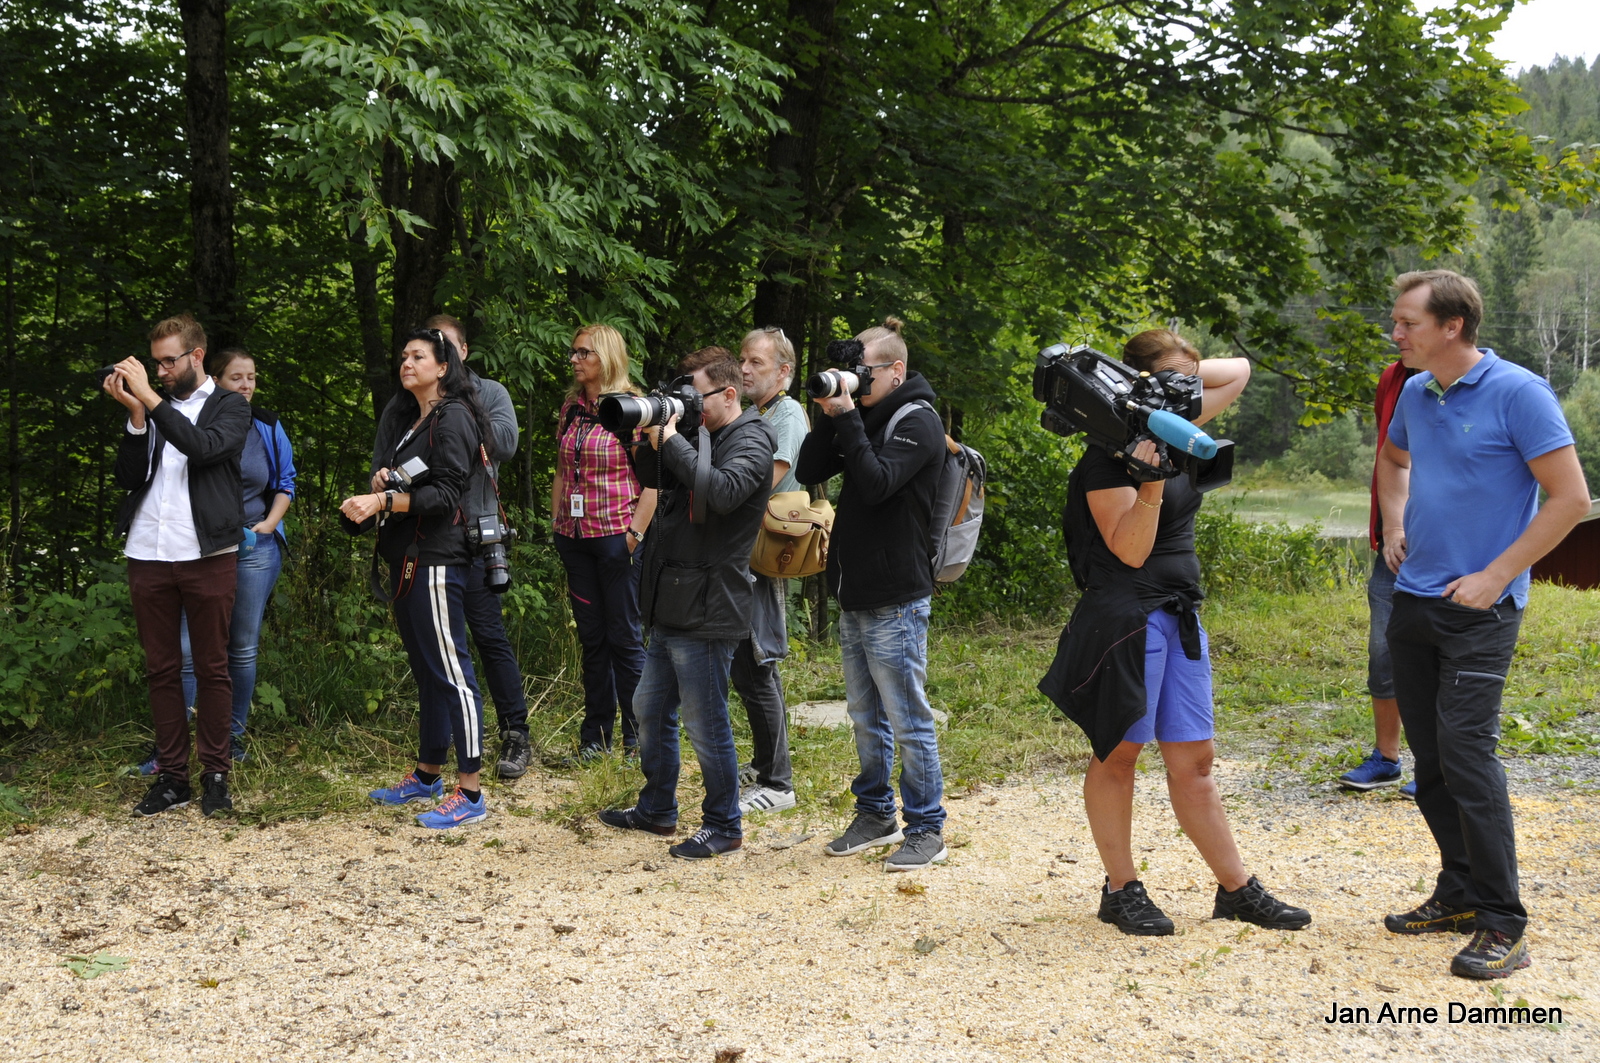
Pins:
x: 920, y: 849
x: 514, y: 756
x: 748, y: 776
x: 866, y: 832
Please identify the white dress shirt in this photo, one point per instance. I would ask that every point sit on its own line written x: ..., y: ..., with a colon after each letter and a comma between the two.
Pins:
x: 163, y: 528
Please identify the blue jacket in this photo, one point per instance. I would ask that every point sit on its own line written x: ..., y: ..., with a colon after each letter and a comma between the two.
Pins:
x: 280, y: 458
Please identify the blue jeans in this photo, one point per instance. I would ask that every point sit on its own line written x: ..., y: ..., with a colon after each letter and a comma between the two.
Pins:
x: 1380, y: 604
x: 258, y: 575
x: 885, y: 672
x: 688, y: 675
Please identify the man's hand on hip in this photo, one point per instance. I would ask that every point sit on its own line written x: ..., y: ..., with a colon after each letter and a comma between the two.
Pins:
x: 1477, y: 591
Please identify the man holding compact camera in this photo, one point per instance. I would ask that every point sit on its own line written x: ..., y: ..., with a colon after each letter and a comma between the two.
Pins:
x: 695, y: 596
x: 184, y: 518
x: 890, y: 449
x: 484, y: 617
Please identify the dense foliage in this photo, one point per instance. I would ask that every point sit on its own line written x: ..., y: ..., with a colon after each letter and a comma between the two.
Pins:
x: 315, y: 177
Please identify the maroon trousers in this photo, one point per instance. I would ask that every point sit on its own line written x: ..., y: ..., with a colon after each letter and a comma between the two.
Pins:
x: 162, y: 591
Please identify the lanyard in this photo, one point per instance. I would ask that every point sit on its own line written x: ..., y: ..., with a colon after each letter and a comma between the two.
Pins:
x: 586, y: 423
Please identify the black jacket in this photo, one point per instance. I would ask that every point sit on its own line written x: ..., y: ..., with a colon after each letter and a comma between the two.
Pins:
x: 497, y: 407
x: 880, y: 552
x: 213, y: 445
x: 696, y: 578
x: 447, y: 440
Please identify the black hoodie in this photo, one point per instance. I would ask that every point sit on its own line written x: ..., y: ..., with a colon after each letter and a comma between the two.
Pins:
x: 881, y: 549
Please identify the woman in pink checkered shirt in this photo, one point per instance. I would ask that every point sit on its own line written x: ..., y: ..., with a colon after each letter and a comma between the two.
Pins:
x: 601, y: 517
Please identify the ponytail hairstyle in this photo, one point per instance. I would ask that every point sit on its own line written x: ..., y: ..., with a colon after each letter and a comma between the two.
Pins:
x: 457, y: 385
x: 1158, y: 348
x: 886, y: 338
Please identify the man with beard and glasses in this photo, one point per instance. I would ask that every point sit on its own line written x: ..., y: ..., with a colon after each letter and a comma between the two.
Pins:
x: 184, y: 519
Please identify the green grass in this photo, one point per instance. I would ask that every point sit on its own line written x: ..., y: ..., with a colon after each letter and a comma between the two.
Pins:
x: 1341, y: 511
x: 1290, y: 675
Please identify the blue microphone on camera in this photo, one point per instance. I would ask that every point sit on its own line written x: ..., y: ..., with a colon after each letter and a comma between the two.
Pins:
x: 1177, y: 432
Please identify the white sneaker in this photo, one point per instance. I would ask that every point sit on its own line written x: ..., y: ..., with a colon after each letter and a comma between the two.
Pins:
x: 764, y: 799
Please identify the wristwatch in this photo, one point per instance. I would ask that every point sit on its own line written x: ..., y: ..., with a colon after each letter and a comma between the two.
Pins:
x: 638, y: 537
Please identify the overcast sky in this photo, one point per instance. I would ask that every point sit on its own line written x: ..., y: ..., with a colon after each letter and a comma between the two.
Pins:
x: 1540, y: 30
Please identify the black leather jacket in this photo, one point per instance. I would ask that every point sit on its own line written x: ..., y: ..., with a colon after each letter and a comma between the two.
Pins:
x: 213, y: 445
x: 697, y: 576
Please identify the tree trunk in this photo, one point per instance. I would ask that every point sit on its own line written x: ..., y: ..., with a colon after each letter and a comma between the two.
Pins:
x: 205, y: 92
x: 783, y: 292
x: 382, y: 371
x: 420, y: 258
x: 13, y: 418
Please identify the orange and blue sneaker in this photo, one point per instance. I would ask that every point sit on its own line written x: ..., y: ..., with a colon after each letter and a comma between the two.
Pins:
x: 409, y: 789
x: 457, y: 810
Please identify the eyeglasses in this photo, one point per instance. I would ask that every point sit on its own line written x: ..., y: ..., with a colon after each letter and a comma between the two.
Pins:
x: 169, y: 364
x: 581, y: 353
x: 716, y: 391
x: 772, y: 329
x: 880, y: 365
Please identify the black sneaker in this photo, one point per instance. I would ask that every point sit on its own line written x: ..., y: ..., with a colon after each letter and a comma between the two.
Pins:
x: 1491, y: 955
x: 1131, y: 911
x: 165, y: 793
x: 920, y: 850
x: 866, y: 832
x: 629, y: 819
x: 1251, y: 903
x: 584, y: 757
x: 215, y: 798
x: 514, y: 756
x: 236, y: 749
x: 1432, y: 917
x: 704, y: 845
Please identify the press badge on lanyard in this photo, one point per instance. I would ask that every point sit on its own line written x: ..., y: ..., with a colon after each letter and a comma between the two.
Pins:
x: 576, y: 508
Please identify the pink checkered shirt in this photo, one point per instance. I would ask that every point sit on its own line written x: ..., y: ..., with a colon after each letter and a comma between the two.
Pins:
x: 592, y: 462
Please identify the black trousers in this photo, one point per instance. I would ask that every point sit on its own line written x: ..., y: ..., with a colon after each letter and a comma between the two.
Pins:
x: 761, y: 690
x: 500, y: 670
x: 603, y: 586
x: 1450, y: 665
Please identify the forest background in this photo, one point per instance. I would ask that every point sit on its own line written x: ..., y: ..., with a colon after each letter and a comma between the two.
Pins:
x: 313, y: 178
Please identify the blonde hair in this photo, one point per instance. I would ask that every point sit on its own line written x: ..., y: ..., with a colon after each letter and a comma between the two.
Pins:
x: 1145, y: 351
x: 886, y: 338
x: 608, y: 346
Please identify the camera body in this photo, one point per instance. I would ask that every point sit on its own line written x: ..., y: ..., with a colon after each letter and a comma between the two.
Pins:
x: 490, y: 537
x: 622, y: 412
x: 1116, y: 407
x: 401, y: 479
x: 853, y: 379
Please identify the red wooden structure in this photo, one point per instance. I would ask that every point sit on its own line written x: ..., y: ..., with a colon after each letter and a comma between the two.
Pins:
x: 1575, y: 561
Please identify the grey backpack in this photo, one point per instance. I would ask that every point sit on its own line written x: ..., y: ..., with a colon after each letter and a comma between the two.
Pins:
x: 957, y: 504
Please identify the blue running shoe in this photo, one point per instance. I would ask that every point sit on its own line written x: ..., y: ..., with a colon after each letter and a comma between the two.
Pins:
x: 1409, y: 790
x: 410, y: 789
x: 455, y: 811
x: 1377, y: 770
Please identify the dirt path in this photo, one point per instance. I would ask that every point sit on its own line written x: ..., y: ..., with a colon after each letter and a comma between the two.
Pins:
x: 365, y: 939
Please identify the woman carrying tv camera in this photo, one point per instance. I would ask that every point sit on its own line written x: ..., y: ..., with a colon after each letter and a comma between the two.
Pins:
x: 441, y: 423
x: 1134, y: 653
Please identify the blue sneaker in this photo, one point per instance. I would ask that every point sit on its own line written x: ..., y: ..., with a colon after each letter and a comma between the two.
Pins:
x: 410, y: 789
x: 1377, y: 770
x: 1409, y: 790
x: 455, y: 811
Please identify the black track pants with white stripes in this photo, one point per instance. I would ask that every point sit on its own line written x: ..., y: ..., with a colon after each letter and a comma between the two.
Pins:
x: 432, y: 621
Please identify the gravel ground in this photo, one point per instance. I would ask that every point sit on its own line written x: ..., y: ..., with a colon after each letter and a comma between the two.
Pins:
x: 364, y: 938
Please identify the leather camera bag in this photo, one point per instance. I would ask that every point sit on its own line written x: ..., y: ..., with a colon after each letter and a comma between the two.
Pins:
x: 793, y: 540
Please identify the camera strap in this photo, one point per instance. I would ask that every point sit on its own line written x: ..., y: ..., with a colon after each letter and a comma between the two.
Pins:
x: 698, y: 500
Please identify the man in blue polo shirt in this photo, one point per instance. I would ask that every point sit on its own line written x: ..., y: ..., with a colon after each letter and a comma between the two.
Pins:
x: 1480, y: 436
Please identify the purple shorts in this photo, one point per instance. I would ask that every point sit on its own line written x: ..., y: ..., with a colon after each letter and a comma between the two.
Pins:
x: 1177, y: 690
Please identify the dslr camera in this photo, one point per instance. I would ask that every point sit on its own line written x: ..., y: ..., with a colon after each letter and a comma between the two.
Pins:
x: 400, y: 479
x: 1116, y: 407
x: 853, y: 379
x: 489, y: 536
x: 621, y: 413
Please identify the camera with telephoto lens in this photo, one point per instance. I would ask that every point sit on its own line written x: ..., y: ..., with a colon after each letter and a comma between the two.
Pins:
x: 621, y: 412
x: 1117, y: 407
x: 400, y: 479
x: 854, y: 379
x: 489, y: 535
